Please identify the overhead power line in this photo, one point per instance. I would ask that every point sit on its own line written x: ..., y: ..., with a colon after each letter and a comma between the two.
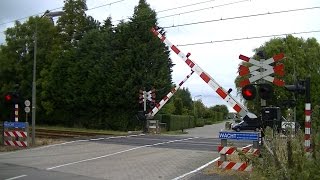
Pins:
x: 245, y: 16
x: 105, y: 5
x: 197, y: 10
x: 109, y: 4
x: 247, y: 38
x: 192, y: 11
x: 188, y: 5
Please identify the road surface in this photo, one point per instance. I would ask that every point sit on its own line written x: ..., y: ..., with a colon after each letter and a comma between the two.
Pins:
x: 123, y: 157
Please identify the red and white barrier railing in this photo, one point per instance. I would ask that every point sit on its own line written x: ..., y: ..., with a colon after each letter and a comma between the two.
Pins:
x: 237, y: 106
x: 165, y: 99
x: 15, y: 134
x: 238, y: 166
x: 232, y: 150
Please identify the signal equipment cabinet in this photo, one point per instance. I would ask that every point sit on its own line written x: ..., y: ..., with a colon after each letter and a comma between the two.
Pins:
x: 271, y: 117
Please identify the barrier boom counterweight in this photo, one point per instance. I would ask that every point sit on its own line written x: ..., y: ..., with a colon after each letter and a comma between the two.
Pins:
x: 164, y: 100
x: 238, y: 107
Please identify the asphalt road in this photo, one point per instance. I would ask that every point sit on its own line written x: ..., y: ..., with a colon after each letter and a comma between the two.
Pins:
x: 125, y: 157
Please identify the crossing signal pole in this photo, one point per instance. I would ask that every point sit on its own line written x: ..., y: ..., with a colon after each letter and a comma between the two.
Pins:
x: 147, y: 98
x: 12, y: 100
x: 303, y: 87
x: 143, y: 99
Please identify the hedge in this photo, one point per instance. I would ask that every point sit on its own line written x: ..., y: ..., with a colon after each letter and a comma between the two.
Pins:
x: 176, y: 122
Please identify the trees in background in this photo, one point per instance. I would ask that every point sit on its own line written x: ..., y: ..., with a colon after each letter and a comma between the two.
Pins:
x: 182, y: 104
x: 88, y: 74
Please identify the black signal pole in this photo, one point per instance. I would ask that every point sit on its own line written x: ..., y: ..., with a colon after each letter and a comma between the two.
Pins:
x: 261, y: 54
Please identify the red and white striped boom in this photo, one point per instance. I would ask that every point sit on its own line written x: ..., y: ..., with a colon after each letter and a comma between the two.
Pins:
x: 238, y: 107
x: 164, y: 100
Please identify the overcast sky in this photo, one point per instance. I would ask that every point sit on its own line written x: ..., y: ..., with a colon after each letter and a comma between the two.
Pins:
x: 220, y: 60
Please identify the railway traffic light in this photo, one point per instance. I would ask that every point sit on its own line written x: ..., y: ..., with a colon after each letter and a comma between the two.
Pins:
x: 8, y: 98
x: 249, y: 92
x: 12, y: 98
x: 265, y: 91
x: 298, y: 87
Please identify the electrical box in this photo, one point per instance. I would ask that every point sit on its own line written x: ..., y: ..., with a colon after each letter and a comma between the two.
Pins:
x: 271, y: 117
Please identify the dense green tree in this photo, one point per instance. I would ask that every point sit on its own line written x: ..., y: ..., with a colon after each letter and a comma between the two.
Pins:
x: 74, y: 23
x: 186, y: 103
x: 146, y: 52
x: 220, y: 108
x: 200, y: 108
x: 178, y: 106
x: 103, y: 71
x: 16, y: 56
x: 88, y: 75
x: 60, y: 88
x: 185, y: 96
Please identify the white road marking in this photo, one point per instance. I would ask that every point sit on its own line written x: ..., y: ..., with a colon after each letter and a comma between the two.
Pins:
x: 70, y: 142
x: 17, y: 177
x: 202, y: 167
x: 86, y: 140
x: 97, y: 139
x: 198, y: 169
x: 120, y: 152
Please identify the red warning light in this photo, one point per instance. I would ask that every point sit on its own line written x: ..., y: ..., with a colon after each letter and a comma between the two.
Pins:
x: 249, y: 92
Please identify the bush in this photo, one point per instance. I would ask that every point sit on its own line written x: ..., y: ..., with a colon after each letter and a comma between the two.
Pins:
x: 176, y: 122
x: 287, y: 159
x: 208, y: 121
x: 200, y: 122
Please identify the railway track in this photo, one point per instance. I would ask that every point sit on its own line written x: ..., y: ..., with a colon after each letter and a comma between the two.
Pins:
x: 52, y: 133
x: 56, y: 134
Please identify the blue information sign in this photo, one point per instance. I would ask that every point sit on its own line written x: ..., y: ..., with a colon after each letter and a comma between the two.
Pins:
x: 239, y: 136
x: 14, y: 124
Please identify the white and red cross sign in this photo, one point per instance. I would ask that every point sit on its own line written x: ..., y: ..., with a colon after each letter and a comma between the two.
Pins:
x: 268, y: 70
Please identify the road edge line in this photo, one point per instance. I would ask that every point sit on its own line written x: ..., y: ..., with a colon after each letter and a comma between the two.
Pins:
x: 17, y: 177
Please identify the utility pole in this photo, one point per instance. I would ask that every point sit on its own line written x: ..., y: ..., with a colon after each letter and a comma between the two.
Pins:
x: 144, y: 101
x: 34, y: 86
